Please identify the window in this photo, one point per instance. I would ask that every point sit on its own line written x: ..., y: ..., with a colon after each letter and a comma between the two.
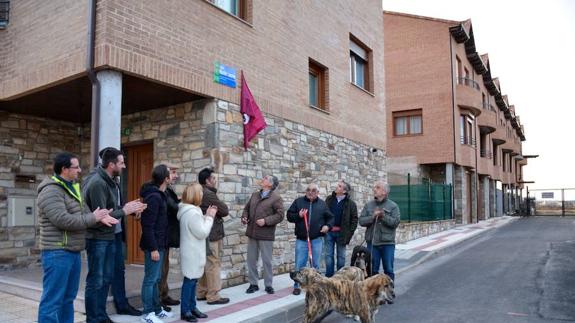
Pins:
x: 359, y: 68
x: 238, y: 8
x: 317, y: 85
x: 459, y: 69
x: 407, y: 123
x: 466, y: 130
x: 4, y: 13
x: 484, y: 100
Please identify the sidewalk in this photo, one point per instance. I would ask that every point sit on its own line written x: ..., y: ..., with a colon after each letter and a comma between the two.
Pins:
x: 281, y: 306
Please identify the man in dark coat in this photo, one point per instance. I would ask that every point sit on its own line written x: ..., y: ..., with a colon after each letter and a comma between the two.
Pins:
x: 262, y: 213
x: 319, y: 222
x: 173, y: 236
x: 210, y: 283
x: 344, y: 211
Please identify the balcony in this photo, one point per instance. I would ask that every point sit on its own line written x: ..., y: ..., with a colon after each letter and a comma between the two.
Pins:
x: 468, y: 95
x: 487, y: 121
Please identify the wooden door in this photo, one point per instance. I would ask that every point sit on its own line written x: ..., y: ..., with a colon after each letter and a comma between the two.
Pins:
x: 139, y: 164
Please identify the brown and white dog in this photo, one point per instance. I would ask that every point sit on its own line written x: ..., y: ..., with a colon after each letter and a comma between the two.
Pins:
x: 350, y: 273
x: 359, y: 299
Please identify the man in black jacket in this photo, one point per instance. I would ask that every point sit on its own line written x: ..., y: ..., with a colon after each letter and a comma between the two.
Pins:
x: 319, y: 221
x: 100, y: 190
x: 344, y: 211
x: 173, y: 236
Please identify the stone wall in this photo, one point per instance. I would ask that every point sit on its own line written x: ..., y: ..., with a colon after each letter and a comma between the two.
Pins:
x: 416, y: 230
x: 27, y: 146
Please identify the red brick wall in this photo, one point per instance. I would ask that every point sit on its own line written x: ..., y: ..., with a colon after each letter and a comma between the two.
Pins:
x: 45, y: 42
x: 418, y: 76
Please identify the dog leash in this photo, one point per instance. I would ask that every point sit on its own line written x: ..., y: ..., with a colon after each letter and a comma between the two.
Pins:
x: 309, y: 253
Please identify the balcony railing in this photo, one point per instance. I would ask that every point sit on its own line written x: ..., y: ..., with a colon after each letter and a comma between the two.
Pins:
x: 485, y: 153
x: 468, y: 82
x: 468, y: 141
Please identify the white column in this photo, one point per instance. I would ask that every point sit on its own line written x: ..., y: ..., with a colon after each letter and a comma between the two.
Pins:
x: 449, y: 174
x: 110, y: 109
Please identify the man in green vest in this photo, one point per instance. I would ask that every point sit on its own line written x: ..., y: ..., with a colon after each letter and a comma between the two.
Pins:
x: 64, y: 219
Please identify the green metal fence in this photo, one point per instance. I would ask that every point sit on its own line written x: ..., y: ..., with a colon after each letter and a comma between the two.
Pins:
x: 422, y: 200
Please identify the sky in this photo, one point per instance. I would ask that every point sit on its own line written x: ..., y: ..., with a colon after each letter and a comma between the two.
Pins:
x: 531, y: 47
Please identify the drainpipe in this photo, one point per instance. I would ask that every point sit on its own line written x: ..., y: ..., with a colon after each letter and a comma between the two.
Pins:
x: 477, y: 208
x: 95, y: 128
x: 454, y: 136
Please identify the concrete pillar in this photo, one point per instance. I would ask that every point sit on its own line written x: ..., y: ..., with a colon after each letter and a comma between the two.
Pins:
x: 110, y: 109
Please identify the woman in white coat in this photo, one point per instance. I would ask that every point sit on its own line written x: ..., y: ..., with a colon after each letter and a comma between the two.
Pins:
x: 194, y: 229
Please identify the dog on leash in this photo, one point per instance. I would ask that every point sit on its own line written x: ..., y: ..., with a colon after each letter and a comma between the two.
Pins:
x: 350, y: 273
x: 359, y: 299
x: 361, y: 258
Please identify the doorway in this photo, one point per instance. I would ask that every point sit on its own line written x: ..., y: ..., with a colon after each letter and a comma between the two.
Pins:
x: 139, y: 164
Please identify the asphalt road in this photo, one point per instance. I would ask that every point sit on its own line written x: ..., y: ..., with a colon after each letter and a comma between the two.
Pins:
x: 522, y: 272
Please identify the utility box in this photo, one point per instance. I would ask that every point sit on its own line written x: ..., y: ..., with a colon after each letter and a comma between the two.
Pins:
x: 21, y: 211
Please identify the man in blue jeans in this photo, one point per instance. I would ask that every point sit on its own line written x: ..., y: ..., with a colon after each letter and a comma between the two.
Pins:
x: 319, y: 220
x: 101, y: 190
x: 63, y: 221
x: 344, y: 211
x: 381, y: 217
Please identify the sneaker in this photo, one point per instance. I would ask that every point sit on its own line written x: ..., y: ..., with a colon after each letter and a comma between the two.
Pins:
x: 270, y: 290
x: 252, y: 288
x: 151, y: 318
x: 165, y: 315
x: 296, y: 291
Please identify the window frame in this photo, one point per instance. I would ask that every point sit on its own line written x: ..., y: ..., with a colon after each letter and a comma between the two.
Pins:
x: 321, y: 73
x: 407, y: 114
x: 243, y: 9
x: 359, y: 52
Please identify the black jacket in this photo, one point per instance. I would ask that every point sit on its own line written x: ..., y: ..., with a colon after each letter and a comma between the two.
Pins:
x: 349, y: 218
x: 318, y: 216
x: 173, y: 223
x: 154, y: 219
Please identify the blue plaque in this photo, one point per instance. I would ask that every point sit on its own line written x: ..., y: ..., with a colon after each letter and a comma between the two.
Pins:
x: 224, y: 74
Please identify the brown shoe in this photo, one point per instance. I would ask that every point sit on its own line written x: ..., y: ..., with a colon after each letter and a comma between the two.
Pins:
x: 201, y: 298
x: 223, y: 300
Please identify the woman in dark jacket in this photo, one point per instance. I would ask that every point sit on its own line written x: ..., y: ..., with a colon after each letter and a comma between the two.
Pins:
x: 261, y: 214
x: 154, y: 241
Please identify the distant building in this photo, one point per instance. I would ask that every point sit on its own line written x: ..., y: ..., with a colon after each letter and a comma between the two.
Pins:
x: 447, y: 117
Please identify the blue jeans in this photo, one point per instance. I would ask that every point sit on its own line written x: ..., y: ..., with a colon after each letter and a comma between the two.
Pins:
x: 152, y: 276
x: 119, y: 282
x: 331, y: 244
x: 301, y: 254
x: 384, y: 254
x: 59, y: 286
x: 188, y: 297
x: 100, y: 275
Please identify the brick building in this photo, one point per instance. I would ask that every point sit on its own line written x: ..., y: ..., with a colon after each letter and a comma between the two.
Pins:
x: 447, y: 118
x: 144, y: 80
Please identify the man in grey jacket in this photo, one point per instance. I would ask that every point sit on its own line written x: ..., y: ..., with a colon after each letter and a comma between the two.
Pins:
x: 63, y: 221
x: 101, y: 190
x: 381, y: 217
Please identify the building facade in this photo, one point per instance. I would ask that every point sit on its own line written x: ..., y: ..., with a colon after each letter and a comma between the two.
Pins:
x: 447, y: 118
x: 148, y: 79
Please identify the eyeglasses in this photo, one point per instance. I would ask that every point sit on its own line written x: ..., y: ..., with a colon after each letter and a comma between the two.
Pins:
x: 311, y: 190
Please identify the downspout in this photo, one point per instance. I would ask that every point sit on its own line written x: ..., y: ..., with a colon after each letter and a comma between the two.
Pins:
x: 477, y: 208
x: 453, y: 116
x: 95, y: 127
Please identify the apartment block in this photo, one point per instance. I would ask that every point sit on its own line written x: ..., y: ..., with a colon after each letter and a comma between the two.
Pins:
x: 448, y: 119
x: 161, y: 80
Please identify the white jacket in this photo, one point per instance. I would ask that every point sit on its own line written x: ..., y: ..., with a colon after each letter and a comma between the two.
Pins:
x: 194, y: 229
